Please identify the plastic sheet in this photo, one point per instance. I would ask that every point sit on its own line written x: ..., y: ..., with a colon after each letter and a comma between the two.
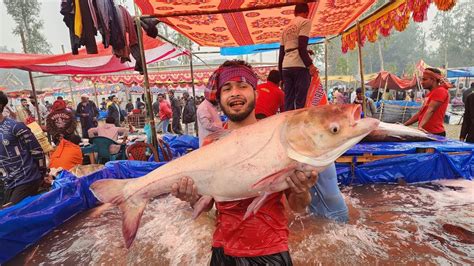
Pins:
x: 26, y: 222
x: 412, y: 168
x: 179, y: 145
x: 380, y: 148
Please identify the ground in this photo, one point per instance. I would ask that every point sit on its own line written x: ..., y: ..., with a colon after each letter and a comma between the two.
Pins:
x: 452, y: 131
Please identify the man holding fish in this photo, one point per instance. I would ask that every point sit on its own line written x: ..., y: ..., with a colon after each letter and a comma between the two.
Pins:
x: 237, y: 240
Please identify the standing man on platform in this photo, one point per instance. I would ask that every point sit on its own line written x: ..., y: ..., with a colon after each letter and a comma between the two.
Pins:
x: 176, y: 108
x: 294, y: 63
x: 430, y: 118
x: 87, y: 113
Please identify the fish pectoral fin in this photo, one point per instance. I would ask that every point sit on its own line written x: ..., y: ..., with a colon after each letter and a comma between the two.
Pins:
x: 200, y: 205
x: 256, y: 204
x: 265, y: 183
x: 132, y: 210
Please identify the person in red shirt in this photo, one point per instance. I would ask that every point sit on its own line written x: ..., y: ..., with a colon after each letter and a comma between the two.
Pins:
x: 165, y: 113
x: 430, y: 118
x: 270, y: 98
x: 261, y: 239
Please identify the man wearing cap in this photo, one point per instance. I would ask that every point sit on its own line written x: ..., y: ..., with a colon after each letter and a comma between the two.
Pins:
x: 294, y: 63
x: 430, y: 118
x: 87, y: 112
x: 235, y: 241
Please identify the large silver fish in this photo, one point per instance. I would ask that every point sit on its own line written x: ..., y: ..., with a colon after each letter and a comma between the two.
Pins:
x: 252, y: 161
x: 396, y: 133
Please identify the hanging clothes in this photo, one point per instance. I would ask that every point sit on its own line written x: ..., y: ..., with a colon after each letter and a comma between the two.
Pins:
x: 67, y: 10
x: 104, y: 15
x: 124, y: 52
x: 88, y: 30
x: 117, y: 41
x: 131, y: 29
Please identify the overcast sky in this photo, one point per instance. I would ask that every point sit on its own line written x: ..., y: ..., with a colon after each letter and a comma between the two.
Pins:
x: 57, y: 33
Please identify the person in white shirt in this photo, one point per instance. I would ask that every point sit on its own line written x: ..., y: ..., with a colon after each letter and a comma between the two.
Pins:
x: 294, y: 63
x: 207, y: 116
x: 109, y: 130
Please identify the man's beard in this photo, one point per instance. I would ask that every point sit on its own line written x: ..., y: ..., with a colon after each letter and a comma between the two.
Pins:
x: 241, y: 116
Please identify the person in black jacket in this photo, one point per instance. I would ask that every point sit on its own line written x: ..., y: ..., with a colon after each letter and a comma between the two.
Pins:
x: 115, y: 111
x: 189, y: 114
x: 87, y: 112
x: 467, y: 129
x: 176, y: 108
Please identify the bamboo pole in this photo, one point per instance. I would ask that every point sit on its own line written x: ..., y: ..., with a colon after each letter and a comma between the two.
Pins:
x: 326, y: 66
x: 69, y: 81
x: 23, y: 42
x: 95, y: 93
x: 192, y: 83
x: 146, y: 82
x: 361, y: 67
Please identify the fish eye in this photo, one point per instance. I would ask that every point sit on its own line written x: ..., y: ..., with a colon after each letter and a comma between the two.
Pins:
x: 334, y: 128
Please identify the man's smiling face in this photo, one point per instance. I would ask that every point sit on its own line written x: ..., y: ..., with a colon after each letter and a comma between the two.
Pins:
x: 237, y: 100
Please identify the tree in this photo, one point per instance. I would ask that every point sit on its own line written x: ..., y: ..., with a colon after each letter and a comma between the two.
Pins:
x: 453, y: 32
x: 25, y: 13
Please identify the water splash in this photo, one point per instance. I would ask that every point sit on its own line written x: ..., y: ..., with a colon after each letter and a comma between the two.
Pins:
x: 389, y: 224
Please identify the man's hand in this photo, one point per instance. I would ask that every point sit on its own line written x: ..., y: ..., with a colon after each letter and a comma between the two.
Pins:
x: 313, y: 70
x: 185, y: 190
x: 424, y: 130
x: 298, y: 194
x: 300, y: 182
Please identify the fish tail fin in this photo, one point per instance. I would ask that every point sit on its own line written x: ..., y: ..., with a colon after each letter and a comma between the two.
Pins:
x: 112, y: 191
x: 132, y: 210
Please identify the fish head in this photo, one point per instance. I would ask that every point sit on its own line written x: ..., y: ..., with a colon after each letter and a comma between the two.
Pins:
x: 319, y: 135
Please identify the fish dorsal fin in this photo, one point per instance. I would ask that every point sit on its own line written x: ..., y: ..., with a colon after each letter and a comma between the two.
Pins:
x: 215, y: 136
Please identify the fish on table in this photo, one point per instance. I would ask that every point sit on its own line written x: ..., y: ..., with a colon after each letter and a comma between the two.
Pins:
x: 250, y: 162
x: 388, y: 132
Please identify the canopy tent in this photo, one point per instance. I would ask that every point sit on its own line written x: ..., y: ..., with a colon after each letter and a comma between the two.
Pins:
x: 83, y: 63
x: 461, y: 73
x: 223, y: 23
x: 396, y: 15
x: 392, y: 82
x: 258, y: 48
x: 201, y: 77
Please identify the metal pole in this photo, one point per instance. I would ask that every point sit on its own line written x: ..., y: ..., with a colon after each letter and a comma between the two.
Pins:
x: 23, y: 42
x: 361, y: 67
x: 326, y: 65
x: 192, y: 82
x: 146, y: 82
x: 69, y: 81
x: 95, y: 93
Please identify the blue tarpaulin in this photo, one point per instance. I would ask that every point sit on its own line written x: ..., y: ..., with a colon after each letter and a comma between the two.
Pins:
x: 258, y: 48
x: 461, y: 73
x: 412, y: 167
x: 24, y: 224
